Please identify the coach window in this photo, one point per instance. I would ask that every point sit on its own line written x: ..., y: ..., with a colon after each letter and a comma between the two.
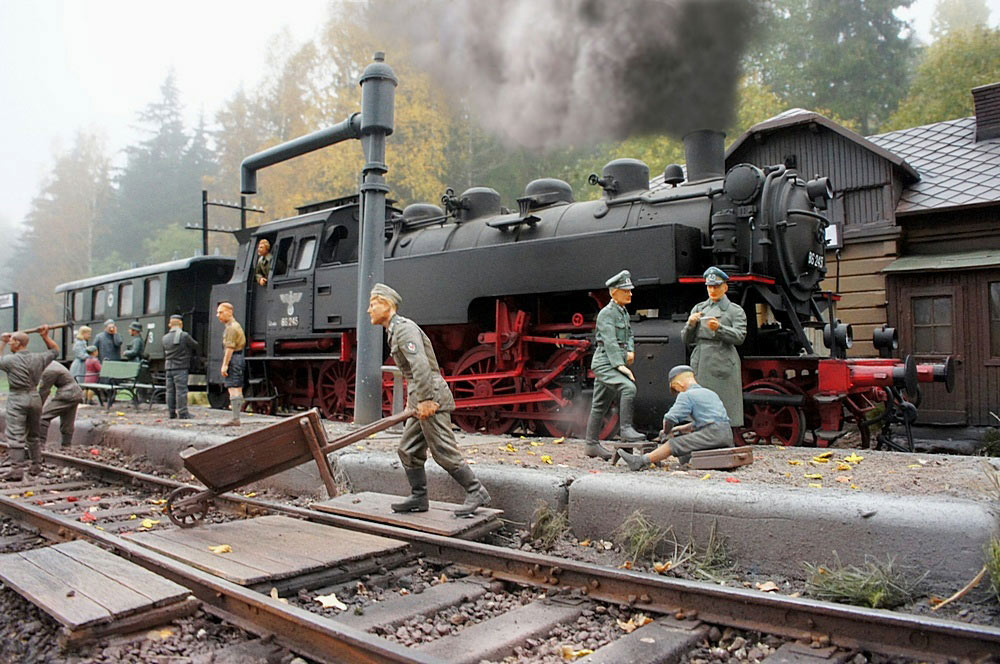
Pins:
x: 932, y: 324
x: 125, y: 299
x: 282, y: 256
x: 307, y: 247
x: 152, y: 295
x: 995, y: 319
x: 78, y: 305
x: 97, y: 303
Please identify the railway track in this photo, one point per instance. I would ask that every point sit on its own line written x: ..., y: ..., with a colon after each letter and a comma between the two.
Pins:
x: 553, y: 591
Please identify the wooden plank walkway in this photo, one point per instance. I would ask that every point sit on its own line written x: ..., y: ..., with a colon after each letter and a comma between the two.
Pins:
x: 439, y: 519
x: 92, y: 592
x: 266, y: 548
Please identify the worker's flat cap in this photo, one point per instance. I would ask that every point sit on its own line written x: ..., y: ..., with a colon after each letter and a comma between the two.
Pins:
x: 91, y: 349
x: 387, y: 293
x: 677, y: 371
x: 621, y: 281
x: 715, y: 277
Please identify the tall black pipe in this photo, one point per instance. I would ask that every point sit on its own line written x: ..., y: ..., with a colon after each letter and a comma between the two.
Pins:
x: 705, y: 154
x: 378, y: 93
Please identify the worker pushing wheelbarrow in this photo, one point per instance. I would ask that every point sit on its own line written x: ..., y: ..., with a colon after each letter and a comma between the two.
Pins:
x: 252, y: 457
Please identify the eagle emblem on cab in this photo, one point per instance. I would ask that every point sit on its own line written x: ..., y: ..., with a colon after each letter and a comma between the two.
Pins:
x: 291, y: 298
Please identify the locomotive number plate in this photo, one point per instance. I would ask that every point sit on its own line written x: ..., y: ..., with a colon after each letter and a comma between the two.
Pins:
x: 815, y: 260
x: 289, y: 321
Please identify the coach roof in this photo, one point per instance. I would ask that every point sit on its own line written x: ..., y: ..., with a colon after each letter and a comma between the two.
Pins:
x: 146, y: 270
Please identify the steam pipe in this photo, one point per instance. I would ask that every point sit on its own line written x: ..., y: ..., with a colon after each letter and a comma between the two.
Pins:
x: 349, y: 128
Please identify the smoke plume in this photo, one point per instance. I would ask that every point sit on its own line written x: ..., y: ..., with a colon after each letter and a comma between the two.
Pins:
x: 546, y: 73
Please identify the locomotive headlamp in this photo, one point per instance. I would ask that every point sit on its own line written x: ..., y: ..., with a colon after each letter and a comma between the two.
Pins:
x: 885, y: 340
x: 820, y: 191
x: 838, y: 339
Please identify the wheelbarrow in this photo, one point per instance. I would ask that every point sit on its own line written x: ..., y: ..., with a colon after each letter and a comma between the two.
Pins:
x: 252, y: 457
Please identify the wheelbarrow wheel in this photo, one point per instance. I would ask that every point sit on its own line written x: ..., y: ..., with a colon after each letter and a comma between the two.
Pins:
x: 187, y: 506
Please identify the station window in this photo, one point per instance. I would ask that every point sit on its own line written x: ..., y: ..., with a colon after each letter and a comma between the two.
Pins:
x: 98, y: 303
x: 995, y: 319
x: 932, y: 324
x: 77, y: 305
x: 152, y: 295
x: 125, y: 299
x: 307, y: 247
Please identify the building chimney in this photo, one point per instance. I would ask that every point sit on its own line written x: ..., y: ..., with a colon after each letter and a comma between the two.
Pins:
x: 705, y: 153
x: 987, y: 102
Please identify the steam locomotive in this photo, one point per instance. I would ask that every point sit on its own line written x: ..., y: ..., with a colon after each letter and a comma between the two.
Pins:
x: 509, y: 299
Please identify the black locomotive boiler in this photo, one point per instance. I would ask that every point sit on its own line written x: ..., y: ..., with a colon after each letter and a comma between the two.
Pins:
x: 509, y: 298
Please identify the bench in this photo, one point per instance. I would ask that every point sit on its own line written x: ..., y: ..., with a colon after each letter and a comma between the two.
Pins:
x: 122, y: 377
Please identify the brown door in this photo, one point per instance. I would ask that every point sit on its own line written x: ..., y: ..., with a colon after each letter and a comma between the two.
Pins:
x: 933, y: 327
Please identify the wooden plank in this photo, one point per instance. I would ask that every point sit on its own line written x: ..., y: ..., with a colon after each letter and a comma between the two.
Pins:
x: 118, y: 599
x: 130, y: 624
x: 334, y: 544
x: 50, y: 593
x: 868, y: 282
x: 850, y: 268
x: 157, y: 589
x: 439, y: 519
x: 218, y: 564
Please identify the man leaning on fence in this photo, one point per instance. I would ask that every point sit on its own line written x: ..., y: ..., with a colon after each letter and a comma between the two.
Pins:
x: 178, y: 349
x: 24, y: 407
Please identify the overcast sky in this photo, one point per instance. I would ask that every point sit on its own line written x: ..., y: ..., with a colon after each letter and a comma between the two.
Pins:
x: 92, y: 64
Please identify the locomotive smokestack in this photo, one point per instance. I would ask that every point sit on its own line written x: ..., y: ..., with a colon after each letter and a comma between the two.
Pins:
x: 705, y: 153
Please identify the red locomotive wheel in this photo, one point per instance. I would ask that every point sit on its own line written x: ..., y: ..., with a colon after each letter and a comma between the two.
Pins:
x: 491, y: 419
x: 772, y: 425
x: 571, y: 420
x: 335, y: 389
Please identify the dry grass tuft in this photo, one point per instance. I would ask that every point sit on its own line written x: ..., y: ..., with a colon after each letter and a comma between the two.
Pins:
x: 992, y: 480
x: 715, y: 562
x: 639, y: 537
x: 876, y: 584
x: 991, y: 443
x: 548, y: 526
x: 993, y: 565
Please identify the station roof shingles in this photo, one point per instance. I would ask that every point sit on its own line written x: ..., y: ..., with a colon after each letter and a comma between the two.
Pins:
x: 955, y: 170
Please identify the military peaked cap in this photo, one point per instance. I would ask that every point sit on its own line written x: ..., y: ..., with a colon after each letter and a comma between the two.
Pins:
x: 135, y: 325
x: 176, y: 317
x: 715, y: 277
x: 387, y: 293
x: 621, y: 281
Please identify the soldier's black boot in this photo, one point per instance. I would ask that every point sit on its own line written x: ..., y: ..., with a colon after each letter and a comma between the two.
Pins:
x: 476, y: 495
x: 626, y: 432
x: 417, y: 502
x: 593, y: 447
x: 634, y: 461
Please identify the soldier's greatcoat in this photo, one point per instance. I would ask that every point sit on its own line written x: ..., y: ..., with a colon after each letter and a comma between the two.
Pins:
x: 413, y: 354
x: 715, y: 360
x: 135, y: 349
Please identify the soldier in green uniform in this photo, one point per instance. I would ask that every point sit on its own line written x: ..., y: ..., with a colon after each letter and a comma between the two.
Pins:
x: 136, y: 345
x: 263, y: 267
x: 612, y: 377
x: 715, y: 328
x: 429, y: 396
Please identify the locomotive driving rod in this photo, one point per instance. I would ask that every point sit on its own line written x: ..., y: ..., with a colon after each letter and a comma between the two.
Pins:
x: 54, y: 326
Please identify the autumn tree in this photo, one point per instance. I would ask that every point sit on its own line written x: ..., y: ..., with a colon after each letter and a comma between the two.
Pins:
x: 953, y: 15
x: 54, y: 243
x: 952, y: 66
x: 852, y: 57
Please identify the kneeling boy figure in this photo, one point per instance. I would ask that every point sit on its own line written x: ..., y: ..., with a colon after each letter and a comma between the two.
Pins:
x: 429, y: 396
x: 708, y: 428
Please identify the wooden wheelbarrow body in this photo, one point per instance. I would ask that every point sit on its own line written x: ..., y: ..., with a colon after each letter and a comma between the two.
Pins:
x: 260, y: 454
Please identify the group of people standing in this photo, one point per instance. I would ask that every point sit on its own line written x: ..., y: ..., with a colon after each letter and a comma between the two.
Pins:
x: 709, y: 391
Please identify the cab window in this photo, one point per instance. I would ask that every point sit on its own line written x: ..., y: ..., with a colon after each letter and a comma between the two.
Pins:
x: 282, y: 256
x: 307, y: 247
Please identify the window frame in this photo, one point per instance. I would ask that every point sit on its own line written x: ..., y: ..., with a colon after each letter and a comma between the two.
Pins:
x: 146, y: 290
x: 993, y: 317
x: 98, y: 296
x: 932, y: 295
x: 121, y: 298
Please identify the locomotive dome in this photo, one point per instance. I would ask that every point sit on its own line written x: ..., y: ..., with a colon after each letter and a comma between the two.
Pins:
x: 628, y: 175
x: 547, y: 191
x: 479, y: 202
x: 418, y: 212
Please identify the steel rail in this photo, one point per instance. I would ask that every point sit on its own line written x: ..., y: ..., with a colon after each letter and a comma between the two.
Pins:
x: 845, y: 626
x: 299, y: 630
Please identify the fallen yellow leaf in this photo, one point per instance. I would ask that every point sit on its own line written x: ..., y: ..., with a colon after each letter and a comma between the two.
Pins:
x: 626, y: 565
x: 844, y: 466
x: 843, y: 479
x: 585, y: 542
x: 546, y: 459
x: 569, y: 654
x: 767, y: 586
x: 252, y: 494
x: 157, y: 501
x: 660, y: 568
x: 133, y: 516
x: 510, y: 448
x: 706, y: 476
x: 812, y: 476
x: 854, y: 486
x: 330, y: 602
x: 914, y: 465
x: 119, y: 413
x: 221, y: 548
x: 558, y: 441
x: 821, y: 459
x: 825, y: 455
x: 854, y: 458
x: 535, y: 444
x: 794, y: 462
x: 274, y: 595
x: 149, y: 523
x: 813, y: 485
x: 29, y: 494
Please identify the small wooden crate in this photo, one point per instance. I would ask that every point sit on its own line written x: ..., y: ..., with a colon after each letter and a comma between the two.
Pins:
x: 727, y: 457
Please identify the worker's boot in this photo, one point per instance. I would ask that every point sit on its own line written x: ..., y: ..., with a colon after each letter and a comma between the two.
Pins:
x: 67, y: 440
x: 235, y: 405
x: 593, y: 447
x: 476, y: 495
x: 635, y: 461
x: 626, y: 432
x: 417, y: 502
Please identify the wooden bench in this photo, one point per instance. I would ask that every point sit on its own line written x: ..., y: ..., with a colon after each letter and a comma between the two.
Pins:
x: 122, y: 377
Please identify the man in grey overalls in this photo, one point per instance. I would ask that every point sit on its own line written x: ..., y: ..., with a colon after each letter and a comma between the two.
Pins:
x: 178, y: 349
x: 612, y: 377
x: 63, y: 404
x: 715, y: 328
x: 24, y: 407
x: 429, y: 396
